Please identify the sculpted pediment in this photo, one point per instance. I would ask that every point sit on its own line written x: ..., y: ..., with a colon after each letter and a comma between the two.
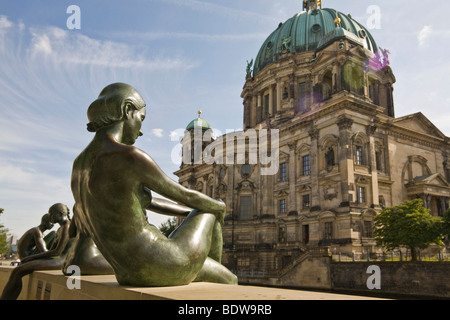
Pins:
x: 435, y: 179
x: 419, y: 123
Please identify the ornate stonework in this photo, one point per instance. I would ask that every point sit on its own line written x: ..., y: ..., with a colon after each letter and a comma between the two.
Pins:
x: 343, y: 156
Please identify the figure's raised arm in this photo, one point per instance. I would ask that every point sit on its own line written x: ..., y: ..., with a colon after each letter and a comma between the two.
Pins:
x: 163, y: 206
x: 156, y: 180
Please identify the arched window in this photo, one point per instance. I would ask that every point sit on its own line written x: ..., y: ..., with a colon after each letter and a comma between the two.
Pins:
x: 360, y: 150
x: 329, y: 152
x: 380, y: 159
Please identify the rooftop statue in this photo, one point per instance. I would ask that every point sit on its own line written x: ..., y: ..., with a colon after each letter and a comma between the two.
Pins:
x: 113, y: 184
x: 249, y: 68
x: 52, y: 259
x: 33, y: 241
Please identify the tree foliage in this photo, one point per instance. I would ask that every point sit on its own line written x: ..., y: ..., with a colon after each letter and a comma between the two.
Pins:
x: 168, y: 227
x: 410, y: 225
x: 4, y: 245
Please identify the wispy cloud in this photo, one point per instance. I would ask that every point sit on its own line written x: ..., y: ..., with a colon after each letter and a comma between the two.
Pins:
x: 65, y: 47
x: 424, y: 34
x: 221, y: 10
x: 154, y: 36
x: 158, y: 133
x: 48, y: 77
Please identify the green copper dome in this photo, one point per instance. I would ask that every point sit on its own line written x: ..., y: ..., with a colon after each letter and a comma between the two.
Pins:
x: 309, y: 31
x: 198, y: 123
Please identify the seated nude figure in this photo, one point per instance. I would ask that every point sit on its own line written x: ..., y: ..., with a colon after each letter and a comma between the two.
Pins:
x: 33, y: 241
x: 52, y: 259
x: 112, y: 184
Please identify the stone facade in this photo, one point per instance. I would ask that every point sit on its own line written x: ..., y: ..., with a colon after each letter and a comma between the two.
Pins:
x: 343, y: 156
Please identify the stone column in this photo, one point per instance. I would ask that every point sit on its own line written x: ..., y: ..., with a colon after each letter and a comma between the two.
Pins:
x: 442, y: 200
x: 346, y: 160
x: 314, y: 164
x: 259, y: 111
x: 292, y: 203
x: 253, y: 111
x: 271, y: 101
x: 373, y: 165
x: 279, y: 94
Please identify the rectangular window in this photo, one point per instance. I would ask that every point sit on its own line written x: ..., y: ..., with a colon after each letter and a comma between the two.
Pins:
x: 283, y: 172
x: 245, y: 212
x: 361, y: 195
x: 359, y: 155
x: 243, y: 262
x: 306, y: 165
x: 328, y: 231
x: 305, y: 236
x: 368, y: 229
x: 283, y: 207
x: 306, y: 202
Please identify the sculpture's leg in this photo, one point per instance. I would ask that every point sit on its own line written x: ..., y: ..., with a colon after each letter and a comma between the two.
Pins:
x: 215, y: 252
x: 14, y: 286
x: 194, y: 235
x: 213, y: 271
x: 84, y: 254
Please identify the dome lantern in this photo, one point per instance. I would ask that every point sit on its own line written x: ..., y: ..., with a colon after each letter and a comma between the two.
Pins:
x: 312, y: 4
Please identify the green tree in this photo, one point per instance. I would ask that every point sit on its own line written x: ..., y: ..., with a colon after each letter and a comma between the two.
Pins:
x: 4, y: 245
x: 445, y: 226
x: 410, y: 225
x: 168, y: 227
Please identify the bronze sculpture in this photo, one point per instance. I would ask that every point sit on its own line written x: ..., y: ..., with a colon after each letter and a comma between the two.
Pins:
x: 51, y: 259
x: 112, y: 184
x: 33, y: 241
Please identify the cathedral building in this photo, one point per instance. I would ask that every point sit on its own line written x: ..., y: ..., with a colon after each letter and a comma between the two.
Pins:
x: 324, y: 85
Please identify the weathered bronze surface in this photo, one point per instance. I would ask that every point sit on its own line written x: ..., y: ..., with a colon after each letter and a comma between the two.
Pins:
x: 112, y: 184
x: 52, y: 259
x: 33, y: 241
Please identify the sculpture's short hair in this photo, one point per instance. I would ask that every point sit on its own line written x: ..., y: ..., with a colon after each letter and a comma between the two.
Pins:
x: 110, y: 105
x: 58, y: 208
x: 45, y: 219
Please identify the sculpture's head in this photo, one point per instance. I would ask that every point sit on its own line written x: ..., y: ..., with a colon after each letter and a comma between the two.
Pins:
x: 116, y: 102
x: 58, y: 213
x: 45, y: 221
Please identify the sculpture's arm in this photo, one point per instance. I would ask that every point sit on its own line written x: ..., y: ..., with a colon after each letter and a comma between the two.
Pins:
x: 40, y: 243
x: 156, y: 180
x: 60, y: 246
x: 168, y: 208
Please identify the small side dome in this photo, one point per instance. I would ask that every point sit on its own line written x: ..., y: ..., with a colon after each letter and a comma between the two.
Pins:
x: 199, y: 123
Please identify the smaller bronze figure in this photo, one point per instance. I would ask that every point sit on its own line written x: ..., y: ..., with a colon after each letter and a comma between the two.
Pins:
x: 33, y: 241
x: 52, y: 259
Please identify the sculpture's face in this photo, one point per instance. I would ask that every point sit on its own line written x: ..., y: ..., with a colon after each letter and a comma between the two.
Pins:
x: 58, y: 214
x: 48, y: 224
x: 132, y: 127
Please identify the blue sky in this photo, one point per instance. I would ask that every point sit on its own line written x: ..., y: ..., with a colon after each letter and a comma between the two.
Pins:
x: 182, y: 55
